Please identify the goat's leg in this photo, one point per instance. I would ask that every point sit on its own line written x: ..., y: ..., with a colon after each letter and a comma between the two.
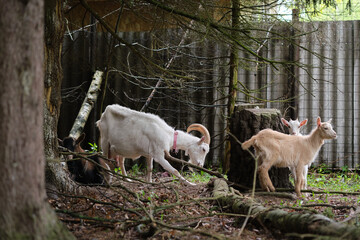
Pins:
x: 149, y: 168
x: 120, y: 160
x: 306, y: 169
x: 110, y: 154
x: 300, y: 179
x: 266, y: 159
x: 265, y: 181
x: 293, y: 172
x: 106, y: 174
x: 166, y: 165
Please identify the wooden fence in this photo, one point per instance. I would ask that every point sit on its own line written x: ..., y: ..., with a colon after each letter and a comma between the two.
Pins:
x: 331, y: 90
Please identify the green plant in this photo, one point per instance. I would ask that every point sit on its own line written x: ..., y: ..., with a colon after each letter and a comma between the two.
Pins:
x: 335, y: 182
x: 118, y: 170
x: 135, y: 170
x: 298, y: 203
x: 329, y: 212
x: 153, y: 195
x: 199, y: 177
x: 345, y: 168
x: 323, y: 168
x: 93, y: 147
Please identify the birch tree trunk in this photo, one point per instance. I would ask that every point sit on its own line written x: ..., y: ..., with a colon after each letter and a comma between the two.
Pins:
x: 25, y: 213
x: 280, y: 220
x: 87, y: 105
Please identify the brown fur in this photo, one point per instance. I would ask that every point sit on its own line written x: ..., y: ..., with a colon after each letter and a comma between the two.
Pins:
x: 84, y: 171
x: 281, y: 150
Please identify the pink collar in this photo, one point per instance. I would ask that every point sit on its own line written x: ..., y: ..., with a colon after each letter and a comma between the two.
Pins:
x: 175, y: 140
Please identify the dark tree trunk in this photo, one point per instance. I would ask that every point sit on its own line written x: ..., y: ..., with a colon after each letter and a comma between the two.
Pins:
x: 54, y: 33
x: 25, y: 213
x: 244, y: 124
x: 233, y: 77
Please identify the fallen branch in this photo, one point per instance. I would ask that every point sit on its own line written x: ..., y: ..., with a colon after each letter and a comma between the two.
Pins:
x: 216, y: 174
x: 277, y: 194
x: 277, y: 219
x: 180, y: 228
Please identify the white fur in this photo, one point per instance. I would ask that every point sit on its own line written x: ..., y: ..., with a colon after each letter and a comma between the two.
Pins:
x: 126, y: 133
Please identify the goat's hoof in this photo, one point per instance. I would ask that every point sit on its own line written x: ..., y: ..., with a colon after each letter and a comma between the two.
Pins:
x: 303, y: 195
x: 300, y: 196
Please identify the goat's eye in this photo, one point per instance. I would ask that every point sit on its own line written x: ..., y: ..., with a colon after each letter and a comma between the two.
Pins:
x: 204, y: 150
x: 325, y: 128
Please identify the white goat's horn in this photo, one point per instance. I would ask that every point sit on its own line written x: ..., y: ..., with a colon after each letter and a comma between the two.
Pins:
x: 202, y: 129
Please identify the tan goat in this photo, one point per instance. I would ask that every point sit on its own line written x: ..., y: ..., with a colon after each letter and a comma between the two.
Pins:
x: 281, y: 150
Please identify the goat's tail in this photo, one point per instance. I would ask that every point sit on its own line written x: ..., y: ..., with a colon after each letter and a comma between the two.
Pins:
x: 247, y: 144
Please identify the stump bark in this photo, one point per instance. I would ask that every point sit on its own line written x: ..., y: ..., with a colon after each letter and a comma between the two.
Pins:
x: 245, y: 123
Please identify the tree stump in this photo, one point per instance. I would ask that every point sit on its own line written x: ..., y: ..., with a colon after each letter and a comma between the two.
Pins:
x: 244, y: 124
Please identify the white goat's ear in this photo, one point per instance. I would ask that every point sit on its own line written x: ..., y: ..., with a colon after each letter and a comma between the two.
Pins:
x: 286, y: 123
x: 303, y: 122
x: 330, y: 120
x: 201, y: 140
x: 318, y: 120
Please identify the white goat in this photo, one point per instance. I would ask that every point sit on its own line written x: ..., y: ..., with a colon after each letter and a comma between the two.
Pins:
x: 281, y: 150
x: 294, y: 125
x: 294, y: 129
x: 126, y: 133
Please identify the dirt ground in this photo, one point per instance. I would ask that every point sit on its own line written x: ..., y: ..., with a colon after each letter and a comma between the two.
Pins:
x: 168, y: 209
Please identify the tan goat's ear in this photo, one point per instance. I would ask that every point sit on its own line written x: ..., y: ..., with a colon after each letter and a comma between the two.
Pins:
x: 303, y: 122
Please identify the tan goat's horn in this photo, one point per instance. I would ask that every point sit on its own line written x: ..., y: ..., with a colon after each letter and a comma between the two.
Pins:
x: 202, y: 129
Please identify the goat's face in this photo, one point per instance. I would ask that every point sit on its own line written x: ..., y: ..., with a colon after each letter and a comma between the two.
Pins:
x: 294, y: 125
x: 326, y: 129
x: 197, y: 153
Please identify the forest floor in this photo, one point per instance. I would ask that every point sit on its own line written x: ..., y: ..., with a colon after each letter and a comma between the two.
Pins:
x: 168, y: 209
